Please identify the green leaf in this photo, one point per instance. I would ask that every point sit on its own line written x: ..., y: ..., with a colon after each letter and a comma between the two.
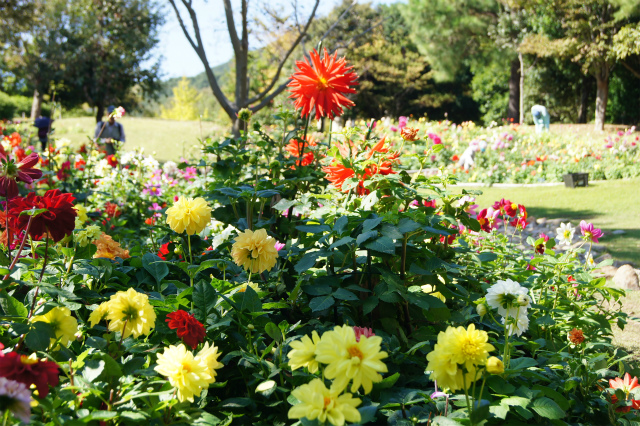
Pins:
x: 248, y: 300
x: 342, y: 241
x: 546, y: 407
x: 407, y: 225
x: 343, y: 294
x: 273, y: 331
x: 340, y: 225
x: 316, y: 289
x: 521, y: 363
x: 382, y: 245
x: 321, y: 303
x: 365, y: 236
x: 307, y: 262
x: 370, y: 304
x: 39, y: 337
x: 204, y: 300
x: 369, y: 224
x: 92, y: 369
x: 12, y: 306
x: 155, y: 266
x: 516, y: 400
x: 487, y: 257
x: 313, y: 229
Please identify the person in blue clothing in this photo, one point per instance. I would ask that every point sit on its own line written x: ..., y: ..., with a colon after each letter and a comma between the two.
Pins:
x: 540, y: 118
x: 110, y: 131
x: 43, y: 124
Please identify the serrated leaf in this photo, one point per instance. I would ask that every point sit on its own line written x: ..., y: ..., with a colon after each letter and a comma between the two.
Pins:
x: 546, y: 407
x: 365, y: 236
x: 321, y: 303
x: 370, y: 304
x: 343, y: 294
x: 313, y: 229
x: 342, y: 241
x: 369, y: 224
x: 204, y: 300
x: 155, y: 266
x: 307, y: 262
x: 12, y: 306
x: 407, y: 225
x: 248, y: 300
x: 340, y: 225
x: 382, y: 245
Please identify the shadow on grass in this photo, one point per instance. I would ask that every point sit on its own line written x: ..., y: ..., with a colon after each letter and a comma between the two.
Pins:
x: 562, y: 213
x: 624, y: 247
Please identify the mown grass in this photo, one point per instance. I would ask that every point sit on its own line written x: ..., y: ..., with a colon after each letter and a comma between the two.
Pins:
x: 164, y: 139
x: 610, y: 205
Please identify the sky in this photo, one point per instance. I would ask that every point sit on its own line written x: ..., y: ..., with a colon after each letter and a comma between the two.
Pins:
x: 178, y: 57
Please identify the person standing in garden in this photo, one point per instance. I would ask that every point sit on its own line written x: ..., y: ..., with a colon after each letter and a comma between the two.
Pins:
x: 540, y: 118
x: 43, y: 124
x: 111, y: 130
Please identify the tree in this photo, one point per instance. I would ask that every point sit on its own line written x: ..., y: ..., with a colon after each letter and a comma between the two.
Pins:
x: 585, y: 31
x: 243, y: 96
x: 91, y: 51
x: 184, y: 102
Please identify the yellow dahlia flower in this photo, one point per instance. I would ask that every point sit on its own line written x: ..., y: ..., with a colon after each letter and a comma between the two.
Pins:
x: 326, y: 405
x: 349, y: 359
x: 255, y: 251
x: 130, y: 313
x: 188, y: 374
x: 99, y: 313
x: 304, y: 353
x: 82, y: 213
x: 63, y: 324
x: 458, y: 346
x: 209, y: 356
x: 189, y: 215
x: 88, y: 235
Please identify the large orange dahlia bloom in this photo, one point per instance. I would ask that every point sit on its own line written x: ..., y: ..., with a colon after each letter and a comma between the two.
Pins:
x: 322, y: 83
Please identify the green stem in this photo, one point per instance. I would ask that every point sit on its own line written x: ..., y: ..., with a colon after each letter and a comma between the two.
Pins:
x: 466, y: 395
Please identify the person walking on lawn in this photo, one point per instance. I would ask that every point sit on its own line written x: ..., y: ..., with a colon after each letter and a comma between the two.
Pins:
x: 111, y: 130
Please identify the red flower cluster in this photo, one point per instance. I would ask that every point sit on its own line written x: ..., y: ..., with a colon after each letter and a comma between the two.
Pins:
x: 322, y: 84
x: 58, y: 219
x: 626, y: 385
x: 62, y: 173
x: 112, y: 160
x: 30, y: 371
x: 15, y: 139
x: 112, y: 209
x: 363, y: 331
x: 189, y: 329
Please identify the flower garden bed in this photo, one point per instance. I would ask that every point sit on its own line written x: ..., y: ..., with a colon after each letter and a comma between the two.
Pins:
x: 286, y: 279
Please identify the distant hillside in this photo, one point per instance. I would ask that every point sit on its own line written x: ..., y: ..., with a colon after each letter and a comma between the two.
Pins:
x: 200, y: 81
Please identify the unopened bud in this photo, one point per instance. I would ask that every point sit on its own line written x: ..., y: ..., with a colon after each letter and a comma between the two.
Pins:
x: 245, y: 114
x: 495, y: 365
x: 250, y: 327
x: 481, y: 309
x: 524, y: 300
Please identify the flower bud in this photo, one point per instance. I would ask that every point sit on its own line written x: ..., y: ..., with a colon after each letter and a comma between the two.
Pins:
x: 495, y: 365
x: 245, y: 114
x: 251, y: 327
x: 524, y: 300
x: 481, y: 309
x: 178, y: 250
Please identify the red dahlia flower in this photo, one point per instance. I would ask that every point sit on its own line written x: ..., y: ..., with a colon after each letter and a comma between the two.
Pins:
x: 22, y: 171
x: 627, y: 385
x: 295, y: 148
x: 363, y: 331
x: 322, y: 83
x: 58, y: 219
x: 15, y: 139
x: 30, y: 371
x: 190, y: 330
x: 112, y: 160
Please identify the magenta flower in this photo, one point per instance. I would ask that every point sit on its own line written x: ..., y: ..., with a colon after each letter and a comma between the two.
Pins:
x: 488, y: 219
x: 279, y: 246
x: 540, y: 247
x: 590, y: 233
x: 10, y: 172
x: 435, y: 138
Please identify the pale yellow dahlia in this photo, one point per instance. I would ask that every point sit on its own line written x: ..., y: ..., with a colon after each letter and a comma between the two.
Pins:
x: 458, y: 347
x: 188, y: 374
x: 88, y: 235
x: 349, y: 359
x: 63, y: 324
x: 255, y: 251
x: 326, y: 405
x: 209, y: 356
x: 82, y: 213
x: 188, y: 214
x: 130, y: 313
x: 99, y: 313
x: 304, y: 353
x: 495, y: 365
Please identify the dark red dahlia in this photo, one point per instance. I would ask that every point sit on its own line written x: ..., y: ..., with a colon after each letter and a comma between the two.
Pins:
x: 189, y: 329
x: 58, y: 219
x: 23, y: 171
x: 30, y: 371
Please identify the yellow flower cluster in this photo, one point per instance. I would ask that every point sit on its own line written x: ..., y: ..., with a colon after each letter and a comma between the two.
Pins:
x: 127, y: 312
x: 255, y: 251
x: 88, y: 235
x: 189, y: 374
x: 188, y: 214
x: 82, y: 217
x: 63, y: 324
x: 347, y: 359
x: 109, y: 249
x: 457, y: 355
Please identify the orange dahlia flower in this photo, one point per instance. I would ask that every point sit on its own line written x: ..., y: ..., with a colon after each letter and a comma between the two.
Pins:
x: 322, y: 84
x: 295, y: 147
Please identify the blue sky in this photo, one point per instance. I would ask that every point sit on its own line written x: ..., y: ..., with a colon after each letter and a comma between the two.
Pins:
x: 178, y: 57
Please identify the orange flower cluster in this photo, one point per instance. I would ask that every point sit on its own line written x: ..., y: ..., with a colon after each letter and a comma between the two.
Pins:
x: 576, y: 336
x: 109, y: 248
x: 409, y: 134
x: 337, y: 173
x: 295, y: 148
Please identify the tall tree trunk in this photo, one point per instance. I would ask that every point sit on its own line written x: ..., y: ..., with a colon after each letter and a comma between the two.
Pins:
x: 602, y: 94
x: 584, y: 99
x: 36, y: 105
x: 513, y: 112
x: 521, y: 90
x: 100, y: 113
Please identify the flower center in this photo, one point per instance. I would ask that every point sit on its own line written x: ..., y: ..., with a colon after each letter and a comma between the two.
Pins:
x: 567, y: 235
x: 186, y: 367
x: 355, y: 352
x: 588, y: 234
x: 28, y: 360
x: 327, y: 401
x: 470, y: 349
x: 322, y: 83
x: 130, y: 313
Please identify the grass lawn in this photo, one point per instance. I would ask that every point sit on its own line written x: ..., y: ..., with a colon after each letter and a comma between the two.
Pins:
x: 610, y: 205
x: 164, y: 139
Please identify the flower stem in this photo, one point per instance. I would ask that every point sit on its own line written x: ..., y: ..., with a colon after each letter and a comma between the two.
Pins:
x: 24, y: 240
